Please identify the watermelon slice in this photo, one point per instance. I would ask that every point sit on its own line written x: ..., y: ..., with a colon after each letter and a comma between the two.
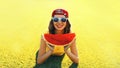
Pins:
x: 59, y: 39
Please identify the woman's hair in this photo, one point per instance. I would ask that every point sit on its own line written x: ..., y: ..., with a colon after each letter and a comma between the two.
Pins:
x: 52, y: 28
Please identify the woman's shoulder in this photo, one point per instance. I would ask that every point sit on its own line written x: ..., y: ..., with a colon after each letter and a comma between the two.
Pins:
x: 72, y: 32
x: 42, y: 34
x: 46, y: 32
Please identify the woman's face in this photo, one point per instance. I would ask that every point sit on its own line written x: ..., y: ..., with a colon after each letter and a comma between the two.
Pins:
x: 59, y: 22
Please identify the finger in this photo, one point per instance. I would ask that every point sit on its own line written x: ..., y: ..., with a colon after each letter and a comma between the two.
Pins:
x: 50, y: 46
x: 67, y: 46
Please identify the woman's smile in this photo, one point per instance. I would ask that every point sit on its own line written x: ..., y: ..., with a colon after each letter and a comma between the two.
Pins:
x: 59, y: 26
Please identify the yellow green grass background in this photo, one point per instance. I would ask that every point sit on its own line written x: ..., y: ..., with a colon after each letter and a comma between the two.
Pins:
x: 95, y: 22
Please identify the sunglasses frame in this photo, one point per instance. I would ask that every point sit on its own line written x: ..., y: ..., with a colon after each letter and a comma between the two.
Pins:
x: 59, y: 19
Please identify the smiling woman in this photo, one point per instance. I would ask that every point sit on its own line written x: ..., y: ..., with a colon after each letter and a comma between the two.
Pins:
x: 96, y: 24
x: 57, y: 42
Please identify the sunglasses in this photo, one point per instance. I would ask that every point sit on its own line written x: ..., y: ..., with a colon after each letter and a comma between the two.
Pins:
x: 55, y: 19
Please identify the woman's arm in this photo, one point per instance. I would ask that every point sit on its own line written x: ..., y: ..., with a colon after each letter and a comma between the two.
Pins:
x: 42, y: 54
x: 72, y: 53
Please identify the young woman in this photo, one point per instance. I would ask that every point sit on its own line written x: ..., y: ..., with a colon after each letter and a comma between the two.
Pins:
x: 59, y: 40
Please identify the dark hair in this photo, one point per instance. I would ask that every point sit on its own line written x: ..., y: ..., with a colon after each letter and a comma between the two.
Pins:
x: 52, y: 28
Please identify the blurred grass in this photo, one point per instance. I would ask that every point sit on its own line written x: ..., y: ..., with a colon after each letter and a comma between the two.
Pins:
x: 96, y: 24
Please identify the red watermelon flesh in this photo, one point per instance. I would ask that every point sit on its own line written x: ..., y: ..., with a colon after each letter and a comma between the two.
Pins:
x: 59, y: 39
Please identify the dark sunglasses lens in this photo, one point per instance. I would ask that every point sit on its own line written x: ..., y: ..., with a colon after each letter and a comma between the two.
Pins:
x: 63, y: 19
x: 55, y: 19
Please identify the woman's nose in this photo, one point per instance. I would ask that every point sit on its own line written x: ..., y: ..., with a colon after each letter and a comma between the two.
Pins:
x: 59, y: 22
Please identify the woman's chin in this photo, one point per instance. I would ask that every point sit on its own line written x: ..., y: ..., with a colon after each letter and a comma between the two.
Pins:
x: 59, y: 29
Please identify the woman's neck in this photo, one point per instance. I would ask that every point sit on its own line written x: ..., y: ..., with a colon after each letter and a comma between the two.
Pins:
x: 59, y: 31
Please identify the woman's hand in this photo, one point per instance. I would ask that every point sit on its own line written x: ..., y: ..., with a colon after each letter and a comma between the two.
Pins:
x: 51, y: 47
x: 66, y: 47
